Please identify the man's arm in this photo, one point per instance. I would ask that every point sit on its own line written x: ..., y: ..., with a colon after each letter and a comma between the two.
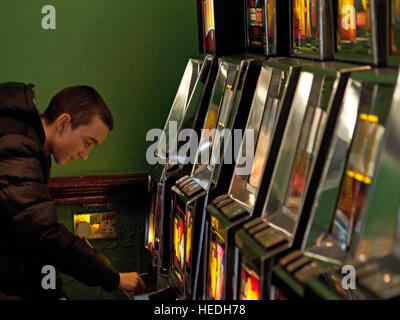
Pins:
x: 32, y: 219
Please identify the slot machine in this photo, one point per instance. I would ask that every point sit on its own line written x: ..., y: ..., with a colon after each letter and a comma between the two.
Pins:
x: 377, y: 257
x: 337, y: 214
x: 360, y: 37
x: 360, y: 31
x: 176, y: 115
x: 227, y: 211
x: 264, y: 20
x: 393, y: 32
x: 229, y: 106
x: 289, y: 181
x: 279, y: 228
x: 187, y: 112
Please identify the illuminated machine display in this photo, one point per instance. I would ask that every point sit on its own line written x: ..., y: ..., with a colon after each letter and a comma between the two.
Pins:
x: 360, y: 31
x: 337, y: 216
x: 393, y: 32
x: 228, y: 211
x: 280, y: 227
x: 187, y: 112
x: 220, y: 27
x: 311, y: 35
x: 262, y: 27
x: 230, y: 103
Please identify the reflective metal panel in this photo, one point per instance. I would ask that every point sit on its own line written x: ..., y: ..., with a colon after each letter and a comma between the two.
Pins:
x: 222, y: 147
x: 376, y: 255
x: 260, y: 125
x: 179, y: 107
x: 219, y: 107
x: 304, y: 155
x: 281, y: 175
x: 381, y: 233
x: 330, y: 180
x: 336, y: 224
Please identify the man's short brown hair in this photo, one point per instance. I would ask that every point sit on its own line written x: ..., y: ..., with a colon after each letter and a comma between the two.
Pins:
x: 82, y: 103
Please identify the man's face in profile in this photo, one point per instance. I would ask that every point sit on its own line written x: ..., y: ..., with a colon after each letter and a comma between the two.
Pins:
x: 73, y: 144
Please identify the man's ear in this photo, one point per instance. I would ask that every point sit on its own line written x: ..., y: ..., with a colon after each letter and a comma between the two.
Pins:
x: 62, y: 121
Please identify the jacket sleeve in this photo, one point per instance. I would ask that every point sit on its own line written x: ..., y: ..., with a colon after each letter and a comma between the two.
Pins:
x: 32, y: 220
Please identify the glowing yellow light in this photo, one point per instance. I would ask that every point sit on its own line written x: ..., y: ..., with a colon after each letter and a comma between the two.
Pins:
x: 386, y: 278
x: 252, y: 199
x: 373, y: 118
x: 350, y: 173
x: 329, y: 244
x: 362, y: 257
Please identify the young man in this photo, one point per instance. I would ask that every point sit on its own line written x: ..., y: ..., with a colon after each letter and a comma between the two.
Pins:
x: 76, y: 120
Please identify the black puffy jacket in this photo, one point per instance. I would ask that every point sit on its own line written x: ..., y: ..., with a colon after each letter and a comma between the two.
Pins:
x: 30, y: 234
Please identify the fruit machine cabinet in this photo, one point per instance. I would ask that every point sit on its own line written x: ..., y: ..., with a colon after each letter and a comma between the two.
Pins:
x: 360, y: 31
x: 377, y: 258
x: 227, y: 211
x: 175, y: 116
x: 337, y: 214
x: 393, y: 32
x: 280, y: 227
x: 311, y: 29
x: 263, y: 20
x: 228, y: 110
x: 187, y: 112
x: 362, y: 34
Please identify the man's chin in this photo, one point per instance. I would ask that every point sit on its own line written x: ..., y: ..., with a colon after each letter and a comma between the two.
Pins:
x: 60, y: 161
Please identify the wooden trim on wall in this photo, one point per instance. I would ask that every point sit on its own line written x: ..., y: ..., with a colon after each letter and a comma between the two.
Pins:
x: 98, y: 189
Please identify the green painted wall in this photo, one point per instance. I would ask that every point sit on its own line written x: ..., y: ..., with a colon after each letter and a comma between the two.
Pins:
x: 133, y: 52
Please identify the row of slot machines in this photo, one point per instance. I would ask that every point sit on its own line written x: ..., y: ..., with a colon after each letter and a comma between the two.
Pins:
x: 278, y: 173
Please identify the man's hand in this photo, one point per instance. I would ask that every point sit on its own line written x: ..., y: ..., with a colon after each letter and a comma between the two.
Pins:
x: 131, y: 283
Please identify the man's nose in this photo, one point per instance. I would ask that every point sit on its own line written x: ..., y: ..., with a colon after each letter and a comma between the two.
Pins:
x: 84, y: 155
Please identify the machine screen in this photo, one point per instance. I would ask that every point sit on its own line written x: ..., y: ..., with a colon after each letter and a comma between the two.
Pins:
x: 395, y: 27
x: 189, y: 229
x: 178, y: 253
x: 271, y: 29
x: 249, y: 284
x: 305, y: 24
x: 256, y: 23
x: 216, y: 270
x: 354, y: 27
